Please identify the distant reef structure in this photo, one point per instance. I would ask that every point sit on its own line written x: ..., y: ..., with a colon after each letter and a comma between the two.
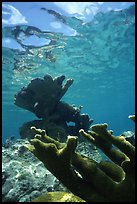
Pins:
x: 43, y: 98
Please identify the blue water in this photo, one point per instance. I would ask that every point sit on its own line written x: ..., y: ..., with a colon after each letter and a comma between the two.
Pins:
x: 100, y: 58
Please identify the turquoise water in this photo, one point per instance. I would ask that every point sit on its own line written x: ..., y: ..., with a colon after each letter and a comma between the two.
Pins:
x: 99, y: 57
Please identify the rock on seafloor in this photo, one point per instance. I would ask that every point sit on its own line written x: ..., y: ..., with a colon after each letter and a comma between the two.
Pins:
x: 24, y: 177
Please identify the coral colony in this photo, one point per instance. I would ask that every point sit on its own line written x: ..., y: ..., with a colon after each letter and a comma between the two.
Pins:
x: 53, y: 141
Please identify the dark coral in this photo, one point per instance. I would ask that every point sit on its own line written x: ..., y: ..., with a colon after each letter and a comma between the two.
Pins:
x: 42, y: 97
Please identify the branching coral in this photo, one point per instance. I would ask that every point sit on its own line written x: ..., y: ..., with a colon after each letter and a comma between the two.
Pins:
x: 42, y: 97
x: 124, y: 163
x: 95, y: 182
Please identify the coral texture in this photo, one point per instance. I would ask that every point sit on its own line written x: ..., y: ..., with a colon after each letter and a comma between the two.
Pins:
x: 105, y: 181
x: 58, y: 196
x: 24, y: 177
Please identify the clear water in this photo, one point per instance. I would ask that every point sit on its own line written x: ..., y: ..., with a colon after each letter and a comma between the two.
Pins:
x: 99, y: 57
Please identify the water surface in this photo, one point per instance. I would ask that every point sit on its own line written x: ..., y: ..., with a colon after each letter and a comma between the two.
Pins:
x: 98, y: 55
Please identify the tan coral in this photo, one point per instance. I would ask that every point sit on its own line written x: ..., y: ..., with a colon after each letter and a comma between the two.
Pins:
x: 94, y: 182
x: 132, y: 117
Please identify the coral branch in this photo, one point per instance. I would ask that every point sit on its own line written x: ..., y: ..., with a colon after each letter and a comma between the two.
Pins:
x: 83, y: 176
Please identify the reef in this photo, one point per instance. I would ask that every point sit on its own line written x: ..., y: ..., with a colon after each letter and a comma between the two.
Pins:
x: 105, y: 181
x: 58, y: 196
x: 42, y: 97
x: 25, y: 178
x: 55, y: 143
